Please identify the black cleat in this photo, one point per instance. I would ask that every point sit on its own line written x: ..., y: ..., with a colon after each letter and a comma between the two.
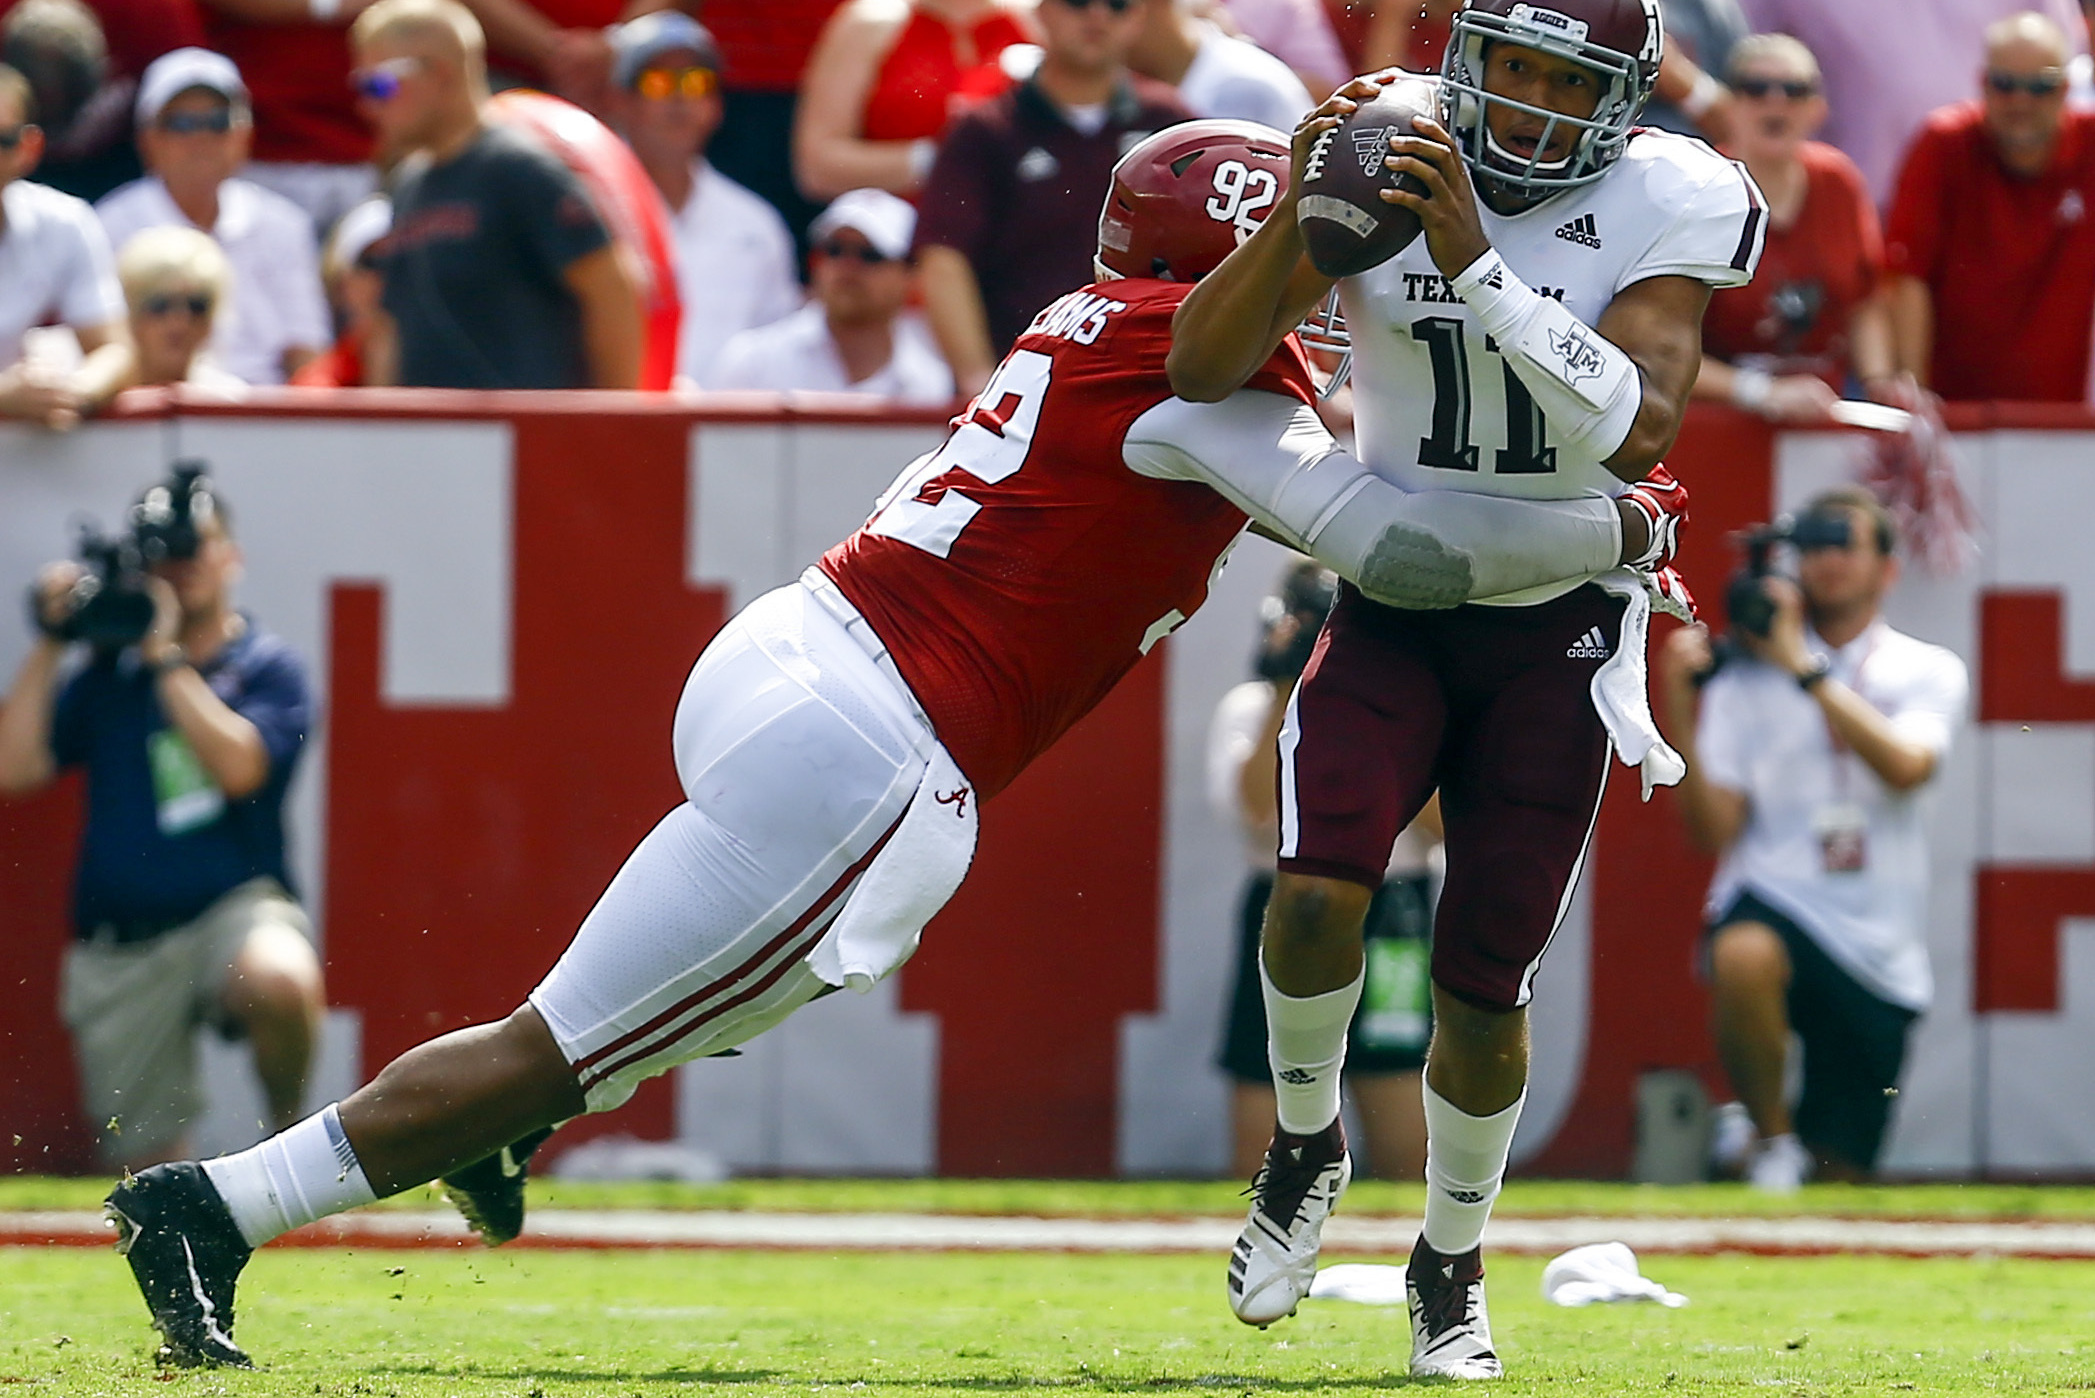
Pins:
x: 490, y: 1192
x: 186, y: 1255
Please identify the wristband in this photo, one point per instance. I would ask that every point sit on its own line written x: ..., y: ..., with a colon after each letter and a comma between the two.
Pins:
x: 1811, y: 679
x: 1751, y: 388
x: 1705, y: 92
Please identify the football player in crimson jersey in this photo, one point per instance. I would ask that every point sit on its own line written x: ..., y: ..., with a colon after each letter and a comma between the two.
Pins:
x: 838, y: 736
x: 1538, y: 341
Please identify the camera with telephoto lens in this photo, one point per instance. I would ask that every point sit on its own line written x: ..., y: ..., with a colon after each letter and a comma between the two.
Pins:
x: 1306, y: 594
x: 1747, y: 603
x: 110, y: 605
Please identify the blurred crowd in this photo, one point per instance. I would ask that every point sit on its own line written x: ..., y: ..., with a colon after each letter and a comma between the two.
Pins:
x: 876, y: 196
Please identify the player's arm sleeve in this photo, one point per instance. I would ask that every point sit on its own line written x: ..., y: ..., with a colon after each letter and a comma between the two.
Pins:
x: 1929, y: 712
x: 279, y: 703
x: 1270, y: 457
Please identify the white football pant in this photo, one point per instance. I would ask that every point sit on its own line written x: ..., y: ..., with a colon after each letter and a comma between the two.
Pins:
x: 798, y: 753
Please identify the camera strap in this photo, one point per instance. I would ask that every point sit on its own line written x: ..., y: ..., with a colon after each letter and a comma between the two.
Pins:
x: 1842, y: 827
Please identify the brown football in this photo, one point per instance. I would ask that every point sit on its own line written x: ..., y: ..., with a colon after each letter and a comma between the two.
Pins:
x: 1345, y: 223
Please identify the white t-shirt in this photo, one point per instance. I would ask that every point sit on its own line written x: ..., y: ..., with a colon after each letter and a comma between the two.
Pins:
x: 1232, y: 77
x: 1764, y: 737
x: 277, y: 302
x: 735, y: 269
x: 797, y: 355
x: 55, y: 265
x: 1435, y: 406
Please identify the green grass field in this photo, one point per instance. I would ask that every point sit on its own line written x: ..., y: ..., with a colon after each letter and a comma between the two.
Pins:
x: 520, y: 1323
x: 534, y: 1324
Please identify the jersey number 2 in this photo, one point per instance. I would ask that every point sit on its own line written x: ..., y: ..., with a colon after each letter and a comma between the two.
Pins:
x: 1449, y: 447
x: 990, y: 444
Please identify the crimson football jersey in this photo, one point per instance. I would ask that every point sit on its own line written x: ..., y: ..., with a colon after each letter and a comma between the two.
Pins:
x: 1020, y: 570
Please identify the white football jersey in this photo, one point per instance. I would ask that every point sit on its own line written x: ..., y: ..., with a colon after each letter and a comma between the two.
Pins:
x: 1437, y: 408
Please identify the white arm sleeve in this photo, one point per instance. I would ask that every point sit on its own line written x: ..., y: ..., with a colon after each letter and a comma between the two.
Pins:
x: 1270, y: 456
x: 1585, y: 385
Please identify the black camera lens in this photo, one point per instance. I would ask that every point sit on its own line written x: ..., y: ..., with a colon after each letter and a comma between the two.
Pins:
x: 1831, y: 529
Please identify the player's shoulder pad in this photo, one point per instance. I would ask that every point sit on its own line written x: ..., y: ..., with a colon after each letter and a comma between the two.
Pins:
x: 1709, y: 219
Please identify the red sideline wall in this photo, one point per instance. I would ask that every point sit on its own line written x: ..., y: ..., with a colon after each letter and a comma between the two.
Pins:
x: 464, y: 843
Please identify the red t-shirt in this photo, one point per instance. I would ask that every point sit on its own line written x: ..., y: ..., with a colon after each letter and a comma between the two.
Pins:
x: 1792, y: 318
x: 297, y: 75
x: 1018, y: 572
x: 764, y: 44
x: 922, y: 82
x: 2011, y: 261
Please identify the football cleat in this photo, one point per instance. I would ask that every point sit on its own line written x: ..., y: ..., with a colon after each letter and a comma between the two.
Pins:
x: 1663, y: 501
x: 186, y: 1254
x: 1450, y: 1332
x: 490, y: 1192
x: 1275, y: 1258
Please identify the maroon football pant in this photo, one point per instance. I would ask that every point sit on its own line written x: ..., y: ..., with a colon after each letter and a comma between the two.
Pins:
x: 1489, y: 705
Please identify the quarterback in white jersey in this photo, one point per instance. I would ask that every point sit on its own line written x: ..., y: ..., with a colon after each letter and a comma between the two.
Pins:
x: 1539, y: 339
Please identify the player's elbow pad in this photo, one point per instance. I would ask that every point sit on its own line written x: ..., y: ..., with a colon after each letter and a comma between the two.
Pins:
x: 1587, y: 388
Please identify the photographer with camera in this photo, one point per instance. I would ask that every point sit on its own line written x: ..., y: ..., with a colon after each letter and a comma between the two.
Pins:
x: 1816, y: 727
x: 188, y: 719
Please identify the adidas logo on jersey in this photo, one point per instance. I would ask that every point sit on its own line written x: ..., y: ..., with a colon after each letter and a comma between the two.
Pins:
x: 1591, y: 646
x: 1581, y: 231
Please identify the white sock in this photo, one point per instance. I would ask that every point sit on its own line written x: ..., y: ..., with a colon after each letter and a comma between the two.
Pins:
x: 294, y: 1177
x: 1465, y: 1165
x: 1306, y: 1044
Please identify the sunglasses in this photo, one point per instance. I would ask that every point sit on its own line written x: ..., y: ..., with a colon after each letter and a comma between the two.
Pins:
x: 2043, y: 84
x: 1118, y: 7
x: 660, y: 84
x: 1762, y: 87
x: 863, y: 252
x: 381, y: 81
x: 160, y: 305
x: 197, y: 123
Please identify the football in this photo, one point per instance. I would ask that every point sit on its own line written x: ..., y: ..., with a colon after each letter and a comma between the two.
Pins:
x: 1344, y: 222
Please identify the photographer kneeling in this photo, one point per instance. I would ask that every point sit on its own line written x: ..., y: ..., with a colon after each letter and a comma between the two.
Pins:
x: 189, y: 720
x: 1806, y: 759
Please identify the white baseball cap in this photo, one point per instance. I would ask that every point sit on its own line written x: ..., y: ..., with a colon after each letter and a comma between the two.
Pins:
x: 358, y: 229
x: 887, y: 222
x: 172, y: 74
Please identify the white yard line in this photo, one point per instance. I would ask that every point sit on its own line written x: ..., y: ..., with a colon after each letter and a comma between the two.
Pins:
x: 1344, y: 1237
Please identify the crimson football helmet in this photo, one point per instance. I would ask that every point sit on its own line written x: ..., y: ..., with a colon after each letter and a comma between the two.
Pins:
x: 1184, y: 198
x: 1618, y: 41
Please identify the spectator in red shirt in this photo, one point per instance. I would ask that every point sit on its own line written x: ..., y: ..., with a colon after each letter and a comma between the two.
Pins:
x: 883, y: 81
x: 1786, y: 345
x: 1990, y: 244
x: 1010, y: 214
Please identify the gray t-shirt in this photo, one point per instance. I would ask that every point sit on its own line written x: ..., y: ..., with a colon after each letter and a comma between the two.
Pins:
x: 474, y: 267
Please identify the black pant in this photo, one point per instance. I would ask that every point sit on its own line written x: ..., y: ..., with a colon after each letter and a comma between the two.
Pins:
x: 1854, y: 1044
